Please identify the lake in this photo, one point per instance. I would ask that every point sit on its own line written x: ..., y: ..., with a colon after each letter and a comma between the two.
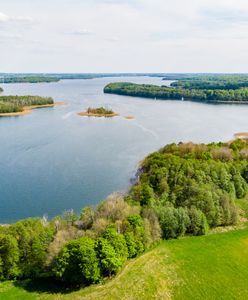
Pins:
x: 53, y: 159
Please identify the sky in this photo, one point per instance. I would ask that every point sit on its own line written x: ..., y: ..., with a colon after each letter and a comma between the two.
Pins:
x: 124, y: 36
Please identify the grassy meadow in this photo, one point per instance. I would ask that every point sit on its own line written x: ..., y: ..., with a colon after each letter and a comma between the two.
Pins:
x: 214, y: 266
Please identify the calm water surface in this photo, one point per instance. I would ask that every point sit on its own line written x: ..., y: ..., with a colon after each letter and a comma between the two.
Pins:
x: 54, y: 160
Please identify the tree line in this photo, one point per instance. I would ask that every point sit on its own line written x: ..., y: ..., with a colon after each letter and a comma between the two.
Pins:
x: 29, y: 79
x: 77, y: 249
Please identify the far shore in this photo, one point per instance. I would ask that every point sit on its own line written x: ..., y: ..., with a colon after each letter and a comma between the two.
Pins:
x: 28, y: 109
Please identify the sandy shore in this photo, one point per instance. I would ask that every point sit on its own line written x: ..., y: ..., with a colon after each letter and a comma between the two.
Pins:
x: 85, y: 114
x: 28, y: 109
x: 241, y: 135
x: 129, y: 117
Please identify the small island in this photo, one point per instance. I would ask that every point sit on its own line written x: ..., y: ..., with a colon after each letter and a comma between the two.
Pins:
x: 98, y: 112
x: 22, y: 105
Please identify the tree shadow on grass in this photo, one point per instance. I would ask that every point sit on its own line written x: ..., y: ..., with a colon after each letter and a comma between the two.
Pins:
x: 45, y: 285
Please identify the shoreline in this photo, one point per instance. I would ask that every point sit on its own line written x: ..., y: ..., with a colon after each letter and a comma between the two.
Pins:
x: 214, y: 101
x: 28, y: 109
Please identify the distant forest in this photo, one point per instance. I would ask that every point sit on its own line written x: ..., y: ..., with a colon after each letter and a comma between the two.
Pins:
x: 54, y: 77
x: 29, y: 79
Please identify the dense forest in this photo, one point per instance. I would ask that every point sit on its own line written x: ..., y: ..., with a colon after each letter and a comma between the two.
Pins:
x: 209, y: 85
x: 213, y: 83
x: 163, y: 92
x: 181, y: 189
x: 10, y: 104
x: 191, y: 182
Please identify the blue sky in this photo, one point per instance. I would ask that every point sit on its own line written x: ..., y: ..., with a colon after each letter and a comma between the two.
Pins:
x: 124, y: 36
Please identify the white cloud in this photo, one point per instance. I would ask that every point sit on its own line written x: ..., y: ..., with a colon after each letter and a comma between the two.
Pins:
x: 14, y: 19
x: 4, y: 18
x: 131, y: 35
x: 113, y: 39
x: 79, y: 32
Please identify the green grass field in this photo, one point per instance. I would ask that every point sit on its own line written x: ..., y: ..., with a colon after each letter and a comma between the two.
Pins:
x: 207, y: 267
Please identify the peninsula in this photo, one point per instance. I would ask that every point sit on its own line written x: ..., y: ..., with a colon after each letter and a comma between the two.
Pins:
x: 211, y: 90
x: 22, y: 105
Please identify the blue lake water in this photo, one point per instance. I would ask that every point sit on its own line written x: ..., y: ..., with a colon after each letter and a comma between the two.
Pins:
x: 53, y: 159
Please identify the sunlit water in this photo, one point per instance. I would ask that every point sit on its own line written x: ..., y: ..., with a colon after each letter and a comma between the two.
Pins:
x: 53, y: 159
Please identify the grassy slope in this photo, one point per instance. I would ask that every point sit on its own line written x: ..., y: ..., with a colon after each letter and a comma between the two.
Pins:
x: 207, y: 267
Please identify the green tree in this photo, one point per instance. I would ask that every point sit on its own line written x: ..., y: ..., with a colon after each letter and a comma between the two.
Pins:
x: 198, y: 222
x: 33, y: 239
x: 131, y: 244
x: 110, y: 261
x: 9, y: 257
x: 77, y: 262
x: 118, y: 242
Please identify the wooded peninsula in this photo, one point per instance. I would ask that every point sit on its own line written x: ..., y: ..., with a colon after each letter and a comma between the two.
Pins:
x: 18, y: 104
x: 216, y: 89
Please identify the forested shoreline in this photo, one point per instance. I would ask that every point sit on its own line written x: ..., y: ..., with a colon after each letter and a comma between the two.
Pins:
x: 14, y: 104
x: 182, y: 189
x: 164, y: 93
